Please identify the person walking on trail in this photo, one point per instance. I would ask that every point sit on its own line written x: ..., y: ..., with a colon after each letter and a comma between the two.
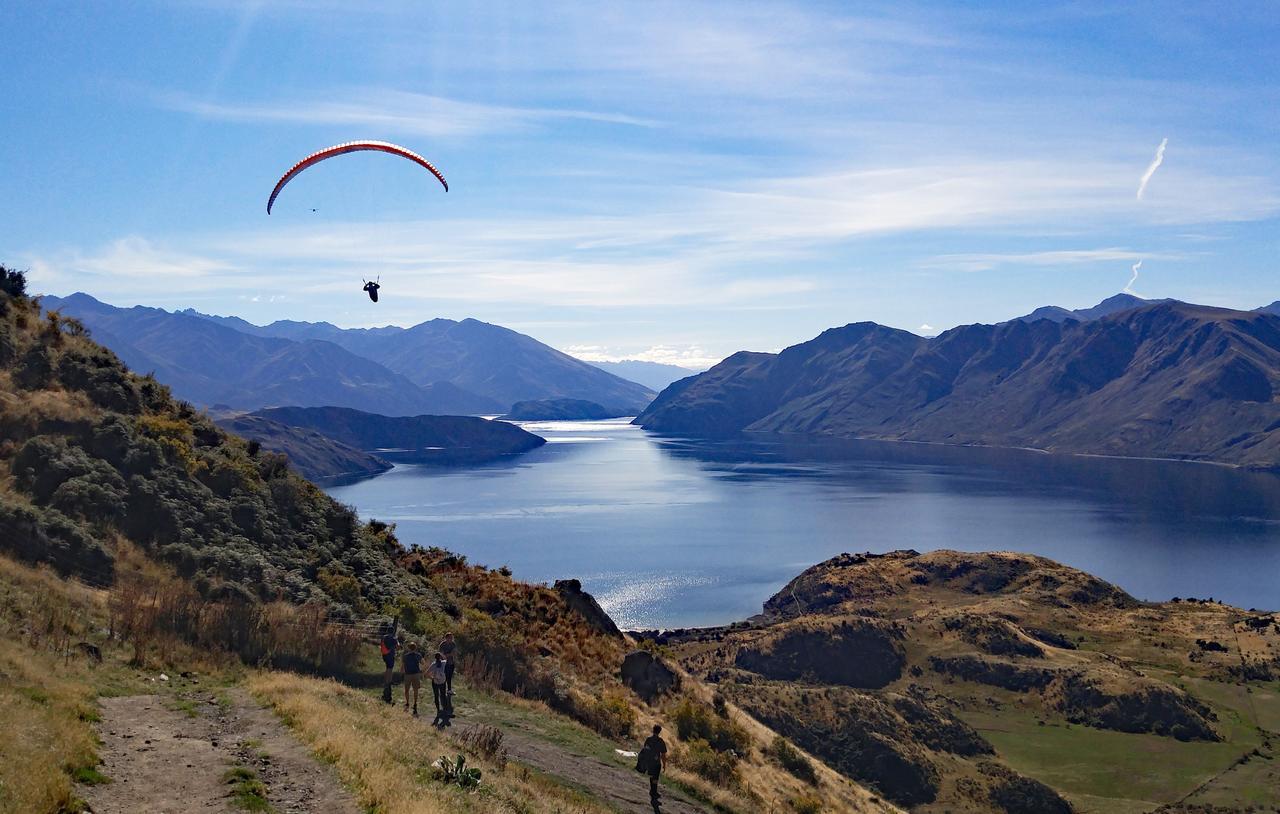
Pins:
x: 652, y: 760
x: 387, y: 646
x: 447, y: 649
x: 439, y: 692
x: 412, y: 675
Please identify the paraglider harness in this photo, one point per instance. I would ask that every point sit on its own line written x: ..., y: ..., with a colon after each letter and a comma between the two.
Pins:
x: 371, y: 288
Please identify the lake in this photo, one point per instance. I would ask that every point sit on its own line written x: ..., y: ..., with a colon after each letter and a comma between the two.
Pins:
x: 670, y: 532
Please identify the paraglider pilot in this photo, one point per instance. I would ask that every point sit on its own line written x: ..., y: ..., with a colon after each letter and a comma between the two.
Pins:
x: 371, y: 288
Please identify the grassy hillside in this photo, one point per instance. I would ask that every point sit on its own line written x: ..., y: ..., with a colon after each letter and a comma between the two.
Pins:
x: 150, y: 536
x: 978, y: 682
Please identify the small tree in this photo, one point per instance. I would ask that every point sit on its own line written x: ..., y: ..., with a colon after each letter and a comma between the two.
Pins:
x: 13, y: 282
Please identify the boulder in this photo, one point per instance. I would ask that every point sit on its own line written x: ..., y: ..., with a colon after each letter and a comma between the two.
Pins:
x: 647, y: 675
x: 586, y: 606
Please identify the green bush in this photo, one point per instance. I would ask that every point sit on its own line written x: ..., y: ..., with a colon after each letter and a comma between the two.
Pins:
x: 610, y: 714
x: 791, y: 759
x: 696, y: 721
x: 719, y: 767
x: 13, y: 282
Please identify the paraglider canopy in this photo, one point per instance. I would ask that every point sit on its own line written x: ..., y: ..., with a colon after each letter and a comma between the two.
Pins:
x: 371, y: 288
x: 353, y: 147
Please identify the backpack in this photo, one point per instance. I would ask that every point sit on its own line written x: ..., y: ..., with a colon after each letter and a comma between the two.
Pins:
x: 644, y: 760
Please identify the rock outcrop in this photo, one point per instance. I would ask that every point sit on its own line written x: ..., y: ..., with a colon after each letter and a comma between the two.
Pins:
x: 648, y: 675
x: 586, y: 606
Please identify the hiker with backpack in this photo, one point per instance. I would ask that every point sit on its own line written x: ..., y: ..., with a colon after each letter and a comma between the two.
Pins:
x: 651, y: 761
x: 387, y: 647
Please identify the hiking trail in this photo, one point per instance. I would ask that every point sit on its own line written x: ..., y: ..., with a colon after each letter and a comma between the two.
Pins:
x: 612, y: 781
x: 170, y: 755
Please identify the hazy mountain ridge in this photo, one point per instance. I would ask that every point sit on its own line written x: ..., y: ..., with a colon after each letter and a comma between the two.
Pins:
x: 488, y: 360
x: 653, y: 375
x: 560, y: 410
x: 209, y: 363
x: 1164, y: 380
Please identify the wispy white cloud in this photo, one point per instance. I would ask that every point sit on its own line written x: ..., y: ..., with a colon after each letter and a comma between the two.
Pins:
x: 1152, y: 167
x: 133, y: 259
x: 392, y: 111
x: 696, y: 246
x: 1060, y: 257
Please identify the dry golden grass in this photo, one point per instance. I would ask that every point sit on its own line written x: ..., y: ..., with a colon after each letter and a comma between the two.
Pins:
x: 46, y: 708
x: 46, y: 695
x: 764, y: 785
x: 386, y: 756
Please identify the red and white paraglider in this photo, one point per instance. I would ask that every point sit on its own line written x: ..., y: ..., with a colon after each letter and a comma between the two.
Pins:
x: 354, y: 147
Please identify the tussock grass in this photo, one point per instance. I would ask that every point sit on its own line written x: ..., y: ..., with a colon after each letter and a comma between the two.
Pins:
x: 47, y: 736
x: 46, y: 698
x: 386, y: 756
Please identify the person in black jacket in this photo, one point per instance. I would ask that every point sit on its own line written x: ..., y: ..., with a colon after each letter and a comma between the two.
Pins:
x: 657, y: 749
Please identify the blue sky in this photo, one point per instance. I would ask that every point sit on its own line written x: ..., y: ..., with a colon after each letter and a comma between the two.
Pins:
x: 669, y: 181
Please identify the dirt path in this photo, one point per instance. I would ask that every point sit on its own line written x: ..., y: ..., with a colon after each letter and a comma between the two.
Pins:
x: 619, y: 786
x: 164, y: 760
x: 611, y: 780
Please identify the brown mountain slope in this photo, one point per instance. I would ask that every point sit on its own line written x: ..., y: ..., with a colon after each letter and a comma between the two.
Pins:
x: 1167, y: 380
x: 1006, y: 682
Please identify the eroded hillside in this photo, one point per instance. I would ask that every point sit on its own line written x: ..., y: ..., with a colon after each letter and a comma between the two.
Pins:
x: 978, y: 682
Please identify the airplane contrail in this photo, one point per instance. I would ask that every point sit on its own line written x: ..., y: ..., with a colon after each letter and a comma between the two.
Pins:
x: 1155, y: 165
x: 1128, y: 288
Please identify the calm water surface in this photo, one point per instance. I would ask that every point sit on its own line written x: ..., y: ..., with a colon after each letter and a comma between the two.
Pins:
x: 672, y: 532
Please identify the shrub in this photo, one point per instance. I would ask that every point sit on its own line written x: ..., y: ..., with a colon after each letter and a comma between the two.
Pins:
x: 695, y: 721
x: 791, y: 759
x: 342, y: 587
x: 610, y: 714
x: 501, y: 655
x: 486, y: 741
x: 13, y: 282
x: 806, y: 804
x: 719, y: 767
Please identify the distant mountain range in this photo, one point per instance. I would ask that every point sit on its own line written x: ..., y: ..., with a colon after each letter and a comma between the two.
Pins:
x: 653, y: 375
x: 488, y: 360
x: 1111, y: 305
x: 559, y: 410
x: 1166, y: 379
x: 437, y: 367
